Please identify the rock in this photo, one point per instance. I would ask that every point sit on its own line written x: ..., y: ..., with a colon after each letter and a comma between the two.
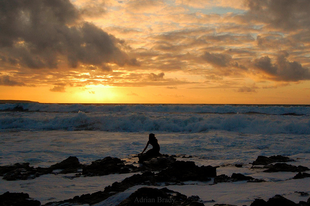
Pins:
x: 278, y: 200
x: 234, y: 178
x: 20, y: 171
x: 17, y: 199
x: 301, y: 175
x: 283, y: 167
x: 221, y: 178
x: 177, y: 172
x: 239, y: 165
x: 108, y: 165
x: 149, y: 196
x: 303, y: 194
x: 146, y: 178
x: 69, y: 163
x: 160, y: 162
x: 185, y: 171
x: 262, y: 160
x: 259, y: 202
x: 303, y: 203
x: 224, y: 205
x: 240, y: 177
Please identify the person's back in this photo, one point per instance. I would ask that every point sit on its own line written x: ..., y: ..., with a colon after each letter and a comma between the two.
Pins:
x: 154, y: 152
x: 153, y: 141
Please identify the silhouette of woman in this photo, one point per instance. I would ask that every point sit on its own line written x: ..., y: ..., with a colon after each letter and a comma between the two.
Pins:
x: 154, y: 152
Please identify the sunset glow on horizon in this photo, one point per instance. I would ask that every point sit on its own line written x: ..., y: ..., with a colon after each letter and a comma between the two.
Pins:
x: 155, y: 51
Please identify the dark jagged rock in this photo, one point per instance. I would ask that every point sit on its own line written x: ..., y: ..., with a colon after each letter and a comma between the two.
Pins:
x: 240, y: 177
x: 259, y: 202
x: 69, y: 163
x: 283, y: 167
x: 279, y: 200
x: 235, y: 177
x: 263, y: 160
x: 301, y: 175
x: 6, y: 169
x: 221, y: 178
x: 303, y: 194
x: 185, y: 171
x: 108, y: 165
x: 224, y: 205
x: 159, y: 163
x: 177, y: 172
x: 17, y: 199
x: 21, y: 171
x: 148, y: 196
x: 303, y: 203
x: 146, y: 178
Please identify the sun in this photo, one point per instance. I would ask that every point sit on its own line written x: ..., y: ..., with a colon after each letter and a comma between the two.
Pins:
x: 97, y: 94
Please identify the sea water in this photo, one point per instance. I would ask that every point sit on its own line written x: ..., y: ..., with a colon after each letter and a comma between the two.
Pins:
x: 217, y: 135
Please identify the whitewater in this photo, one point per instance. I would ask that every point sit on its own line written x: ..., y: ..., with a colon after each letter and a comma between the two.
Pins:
x: 217, y: 135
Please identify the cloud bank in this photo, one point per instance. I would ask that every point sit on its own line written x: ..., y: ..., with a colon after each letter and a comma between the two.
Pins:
x: 202, y: 44
x: 40, y: 34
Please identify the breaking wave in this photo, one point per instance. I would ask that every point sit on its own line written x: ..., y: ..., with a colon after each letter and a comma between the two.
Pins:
x: 156, y: 118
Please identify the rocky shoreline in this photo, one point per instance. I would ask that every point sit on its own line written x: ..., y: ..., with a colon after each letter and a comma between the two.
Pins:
x: 163, y: 170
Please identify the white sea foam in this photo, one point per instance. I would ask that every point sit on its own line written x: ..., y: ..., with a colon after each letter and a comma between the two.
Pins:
x: 158, y: 118
x: 186, y: 108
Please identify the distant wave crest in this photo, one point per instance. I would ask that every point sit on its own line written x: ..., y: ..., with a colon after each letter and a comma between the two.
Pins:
x: 157, y: 118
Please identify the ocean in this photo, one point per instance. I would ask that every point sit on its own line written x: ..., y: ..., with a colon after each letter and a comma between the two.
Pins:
x: 217, y: 135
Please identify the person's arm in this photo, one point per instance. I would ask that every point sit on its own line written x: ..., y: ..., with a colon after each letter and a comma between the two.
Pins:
x: 147, y: 144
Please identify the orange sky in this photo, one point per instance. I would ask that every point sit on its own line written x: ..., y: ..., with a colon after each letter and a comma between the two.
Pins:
x: 153, y: 51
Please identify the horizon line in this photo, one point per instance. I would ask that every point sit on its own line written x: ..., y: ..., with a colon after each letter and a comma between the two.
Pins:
x: 259, y: 104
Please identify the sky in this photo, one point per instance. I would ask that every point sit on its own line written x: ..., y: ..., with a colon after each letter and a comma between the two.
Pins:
x: 155, y: 51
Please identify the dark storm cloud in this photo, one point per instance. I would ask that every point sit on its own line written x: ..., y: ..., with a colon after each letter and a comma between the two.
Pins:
x: 156, y: 77
x: 274, y: 41
x: 282, y: 69
x: 7, y: 81
x: 40, y: 33
x: 217, y: 60
x: 284, y: 14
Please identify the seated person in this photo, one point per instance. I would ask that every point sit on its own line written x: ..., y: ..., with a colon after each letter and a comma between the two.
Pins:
x: 154, y: 152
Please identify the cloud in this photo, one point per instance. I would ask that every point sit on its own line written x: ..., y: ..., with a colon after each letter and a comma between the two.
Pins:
x: 209, y: 3
x: 41, y: 34
x: 282, y: 14
x: 145, y: 6
x: 247, y: 89
x: 7, y: 81
x: 282, y: 69
x: 58, y: 88
x: 93, y: 8
x: 274, y: 41
x: 156, y: 77
x: 217, y: 60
